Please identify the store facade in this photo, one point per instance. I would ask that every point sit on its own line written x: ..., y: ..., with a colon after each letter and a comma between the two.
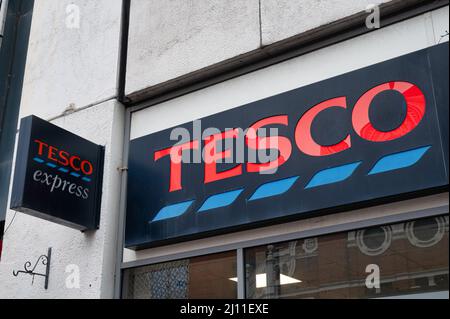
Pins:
x: 353, y: 202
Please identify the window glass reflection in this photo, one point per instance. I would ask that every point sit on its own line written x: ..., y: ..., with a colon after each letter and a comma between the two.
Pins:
x: 196, y: 278
x: 391, y: 260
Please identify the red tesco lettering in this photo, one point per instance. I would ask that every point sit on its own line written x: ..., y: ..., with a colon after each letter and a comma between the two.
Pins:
x: 64, y: 158
x: 361, y: 123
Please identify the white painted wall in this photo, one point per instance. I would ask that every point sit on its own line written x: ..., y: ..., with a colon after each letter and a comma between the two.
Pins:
x: 282, y: 19
x: 71, y: 65
x: 182, y: 36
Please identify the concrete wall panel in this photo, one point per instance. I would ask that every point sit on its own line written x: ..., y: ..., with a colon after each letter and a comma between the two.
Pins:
x: 281, y: 19
x: 67, y: 64
x: 172, y: 38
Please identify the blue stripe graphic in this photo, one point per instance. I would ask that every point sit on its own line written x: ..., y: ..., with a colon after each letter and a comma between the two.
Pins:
x: 274, y: 188
x: 327, y: 176
x: 399, y: 160
x: 220, y: 200
x: 61, y: 169
x: 333, y: 175
x: 172, y: 211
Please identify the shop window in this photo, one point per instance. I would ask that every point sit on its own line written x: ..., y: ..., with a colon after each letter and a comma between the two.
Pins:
x: 393, y: 260
x: 206, y: 277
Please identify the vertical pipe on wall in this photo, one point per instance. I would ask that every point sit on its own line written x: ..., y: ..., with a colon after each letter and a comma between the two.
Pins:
x: 121, y: 79
x: 122, y: 209
x: 123, y: 50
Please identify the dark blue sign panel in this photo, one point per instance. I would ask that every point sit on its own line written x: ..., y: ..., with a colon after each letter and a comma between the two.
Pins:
x: 369, y: 136
x: 58, y: 175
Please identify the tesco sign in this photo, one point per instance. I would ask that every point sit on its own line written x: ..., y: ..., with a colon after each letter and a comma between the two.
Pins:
x: 58, y: 175
x: 361, y: 138
x: 415, y: 106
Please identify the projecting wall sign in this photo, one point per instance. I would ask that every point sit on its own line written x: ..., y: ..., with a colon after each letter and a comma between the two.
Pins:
x: 368, y: 135
x: 58, y: 175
